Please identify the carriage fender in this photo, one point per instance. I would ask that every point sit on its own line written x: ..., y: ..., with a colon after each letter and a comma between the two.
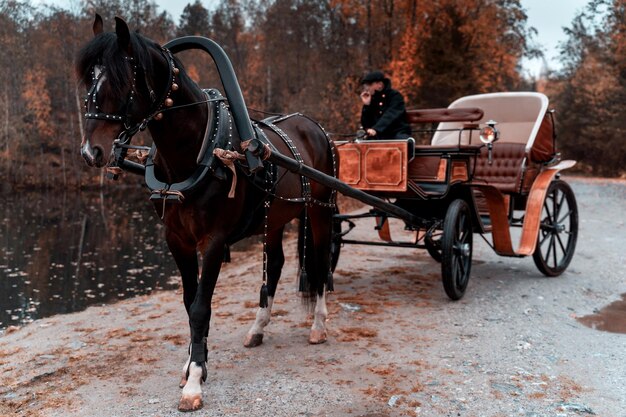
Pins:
x: 498, y: 212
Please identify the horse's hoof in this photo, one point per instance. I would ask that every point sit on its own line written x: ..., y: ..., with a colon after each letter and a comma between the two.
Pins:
x: 191, y: 403
x: 253, y: 340
x: 183, y: 382
x: 317, y: 337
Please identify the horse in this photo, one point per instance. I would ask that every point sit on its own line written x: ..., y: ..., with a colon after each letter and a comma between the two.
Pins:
x: 133, y: 83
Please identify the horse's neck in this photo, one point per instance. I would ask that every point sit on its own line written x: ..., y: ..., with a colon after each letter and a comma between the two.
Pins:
x: 178, y: 136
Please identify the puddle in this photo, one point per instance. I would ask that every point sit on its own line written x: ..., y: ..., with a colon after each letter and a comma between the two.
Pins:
x: 611, y: 318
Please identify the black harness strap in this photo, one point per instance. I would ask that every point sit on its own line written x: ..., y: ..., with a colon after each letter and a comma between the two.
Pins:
x: 218, y: 134
x: 270, y: 123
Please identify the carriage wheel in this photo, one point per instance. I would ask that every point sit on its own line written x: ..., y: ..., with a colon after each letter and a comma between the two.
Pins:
x: 335, y: 244
x: 433, y: 245
x: 558, y: 230
x: 456, y: 249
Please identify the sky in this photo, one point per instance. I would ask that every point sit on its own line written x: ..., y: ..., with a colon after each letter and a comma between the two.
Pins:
x: 547, y: 16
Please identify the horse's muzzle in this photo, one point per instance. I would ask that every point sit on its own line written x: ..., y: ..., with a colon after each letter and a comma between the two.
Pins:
x: 94, y: 156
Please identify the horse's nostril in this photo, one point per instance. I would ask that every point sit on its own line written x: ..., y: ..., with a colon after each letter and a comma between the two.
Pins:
x: 98, y: 155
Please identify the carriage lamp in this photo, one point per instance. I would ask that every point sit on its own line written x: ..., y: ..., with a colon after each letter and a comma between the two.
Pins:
x: 488, y: 135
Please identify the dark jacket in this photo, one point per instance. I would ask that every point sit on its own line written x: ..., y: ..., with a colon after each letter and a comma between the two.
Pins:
x: 386, y: 114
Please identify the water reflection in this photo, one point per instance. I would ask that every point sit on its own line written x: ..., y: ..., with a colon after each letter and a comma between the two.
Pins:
x: 62, y: 252
x: 611, y: 318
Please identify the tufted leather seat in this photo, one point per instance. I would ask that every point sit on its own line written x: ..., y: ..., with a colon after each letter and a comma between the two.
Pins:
x: 508, y: 171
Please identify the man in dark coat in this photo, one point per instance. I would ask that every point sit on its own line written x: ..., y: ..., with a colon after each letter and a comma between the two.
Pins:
x: 383, y: 115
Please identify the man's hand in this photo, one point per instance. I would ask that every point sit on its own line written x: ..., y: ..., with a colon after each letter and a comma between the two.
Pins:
x: 366, y: 97
x: 371, y: 132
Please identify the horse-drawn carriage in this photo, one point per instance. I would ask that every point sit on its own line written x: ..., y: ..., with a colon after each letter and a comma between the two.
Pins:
x: 216, y: 176
x: 491, y: 165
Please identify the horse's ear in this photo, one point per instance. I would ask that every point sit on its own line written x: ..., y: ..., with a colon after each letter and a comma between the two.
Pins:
x: 98, y: 26
x: 123, y: 34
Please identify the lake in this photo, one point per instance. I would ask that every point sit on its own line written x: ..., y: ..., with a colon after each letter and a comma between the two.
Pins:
x: 61, y: 252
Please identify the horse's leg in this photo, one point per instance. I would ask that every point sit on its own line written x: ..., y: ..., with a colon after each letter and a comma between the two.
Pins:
x: 187, y: 262
x: 199, y: 318
x: 275, y: 262
x: 320, y: 227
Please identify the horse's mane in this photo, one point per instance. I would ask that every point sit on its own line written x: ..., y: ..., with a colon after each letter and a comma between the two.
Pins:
x: 104, y: 50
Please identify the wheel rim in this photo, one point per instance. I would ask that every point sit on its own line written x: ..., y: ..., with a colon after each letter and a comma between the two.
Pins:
x: 556, y: 234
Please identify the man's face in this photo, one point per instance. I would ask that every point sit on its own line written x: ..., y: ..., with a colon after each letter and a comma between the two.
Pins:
x: 373, y: 86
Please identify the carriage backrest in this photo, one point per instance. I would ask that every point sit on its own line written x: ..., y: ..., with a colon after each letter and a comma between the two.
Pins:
x: 520, y: 116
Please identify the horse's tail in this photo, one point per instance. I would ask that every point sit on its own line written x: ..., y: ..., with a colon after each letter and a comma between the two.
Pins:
x: 313, y: 276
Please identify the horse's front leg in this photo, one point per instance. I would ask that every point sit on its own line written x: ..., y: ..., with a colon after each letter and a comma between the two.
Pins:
x: 186, y: 259
x: 275, y: 262
x: 199, y: 318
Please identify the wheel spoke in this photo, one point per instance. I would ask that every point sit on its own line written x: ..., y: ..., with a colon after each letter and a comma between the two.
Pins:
x: 558, y: 237
x: 546, y: 235
x: 553, y: 244
x: 559, y: 205
x: 549, y: 248
x: 461, y: 228
x: 548, y: 215
x: 464, y: 236
x: 565, y: 216
x: 459, y: 267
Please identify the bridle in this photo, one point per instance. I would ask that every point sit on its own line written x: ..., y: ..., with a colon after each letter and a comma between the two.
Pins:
x: 122, y: 143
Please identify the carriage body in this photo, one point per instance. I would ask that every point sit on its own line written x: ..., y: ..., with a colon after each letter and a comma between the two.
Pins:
x: 458, y: 186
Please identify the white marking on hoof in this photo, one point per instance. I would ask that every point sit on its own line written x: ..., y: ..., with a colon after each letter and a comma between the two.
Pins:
x: 183, y: 380
x: 318, y: 329
x: 192, y: 403
x: 317, y: 337
x: 255, y: 334
x: 191, y: 399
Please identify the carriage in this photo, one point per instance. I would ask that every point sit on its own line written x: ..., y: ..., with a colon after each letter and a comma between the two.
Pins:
x: 491, y: 166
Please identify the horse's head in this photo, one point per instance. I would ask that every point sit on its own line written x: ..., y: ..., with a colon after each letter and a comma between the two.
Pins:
x: 119, y: 71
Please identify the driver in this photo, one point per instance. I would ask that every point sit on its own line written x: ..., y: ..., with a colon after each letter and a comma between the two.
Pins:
x: 383, y: 115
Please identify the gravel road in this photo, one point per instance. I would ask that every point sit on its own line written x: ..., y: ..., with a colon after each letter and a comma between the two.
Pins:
x: 513, y: 346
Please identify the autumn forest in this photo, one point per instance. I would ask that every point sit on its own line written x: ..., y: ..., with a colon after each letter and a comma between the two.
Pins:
x: 308, y: 56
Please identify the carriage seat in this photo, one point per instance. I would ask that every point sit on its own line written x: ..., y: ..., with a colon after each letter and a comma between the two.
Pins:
x: 510, y: 170
x: 525, y: 140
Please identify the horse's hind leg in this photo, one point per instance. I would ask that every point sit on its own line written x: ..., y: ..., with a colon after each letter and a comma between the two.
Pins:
x: 275, y: 262
x: 320, y: 227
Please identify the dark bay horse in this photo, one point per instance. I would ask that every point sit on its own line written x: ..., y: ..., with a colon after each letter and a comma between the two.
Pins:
x: 133, y: 83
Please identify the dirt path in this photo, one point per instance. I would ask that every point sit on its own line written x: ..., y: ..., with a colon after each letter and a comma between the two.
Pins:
x: 397, y: 346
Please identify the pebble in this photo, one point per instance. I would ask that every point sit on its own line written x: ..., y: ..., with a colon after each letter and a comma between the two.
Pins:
x: 579, y: 408
x: 506, y: 388
x: 350, y: 308
x: 393, y: 400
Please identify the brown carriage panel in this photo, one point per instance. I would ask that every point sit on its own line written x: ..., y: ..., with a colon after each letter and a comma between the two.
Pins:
x: 384, y: 233
x: 468, y: 114
x: 543, y: 146
x: 499, y: 215
x: 349, y: 164
x: 374, y: 165
x: 384, y: 166
x: 459, y: 171
x: 428, y: 168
